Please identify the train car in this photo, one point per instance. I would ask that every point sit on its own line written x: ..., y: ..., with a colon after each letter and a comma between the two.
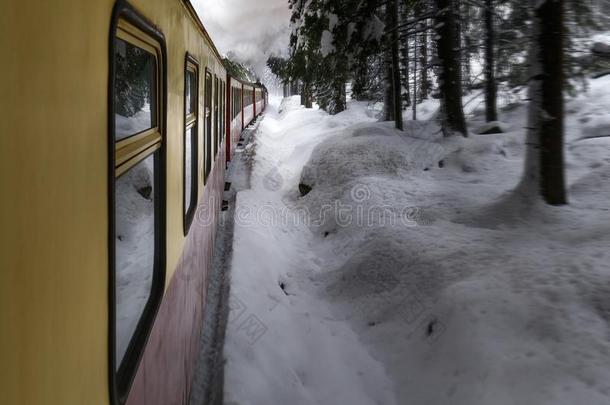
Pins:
x: 113, y: 152
x: 242, y: 110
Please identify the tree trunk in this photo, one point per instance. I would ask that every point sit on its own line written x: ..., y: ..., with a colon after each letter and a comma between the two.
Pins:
x: 463, y: 27
x: 491, y: 113
x: 392, y: 66
x: 450, y: 80
x: 307, y: 94
x: 404, y: 59
x: 404, y: 73
x: 420, y: 56
x: 339, y: 96
x: 423, y: 63
x: 550, y: 46
x: 360, y: 83
x: 414, y: 78
x: 544, y: 165
x: 396, y: 86
x: 388, y: 99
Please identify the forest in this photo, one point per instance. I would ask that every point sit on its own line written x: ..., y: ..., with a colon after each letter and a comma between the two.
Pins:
x: 400, y: 53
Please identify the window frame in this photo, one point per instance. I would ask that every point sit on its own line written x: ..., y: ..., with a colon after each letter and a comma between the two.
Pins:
x: 127, y: 24
x: 139, y: 143
x: 191, y: 121
x: 216, y: 98
x: 208, y: 106
x: 223, y: 111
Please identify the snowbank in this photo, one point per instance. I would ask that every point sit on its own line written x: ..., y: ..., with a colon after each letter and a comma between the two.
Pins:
x: 410, y: 273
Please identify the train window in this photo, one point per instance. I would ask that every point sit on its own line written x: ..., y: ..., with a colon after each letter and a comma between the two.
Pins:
x: 208, y: 124
x: 223, y: 110
x: 190, y: 87
x: 135, y: 82
x: 216, y: 111
x: 234, y: 103
x: 190, y: 157
x: 136, y: 217
x: 135, y: 247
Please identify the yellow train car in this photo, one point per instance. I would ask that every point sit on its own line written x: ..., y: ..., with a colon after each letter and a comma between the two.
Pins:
x: 113, y: 149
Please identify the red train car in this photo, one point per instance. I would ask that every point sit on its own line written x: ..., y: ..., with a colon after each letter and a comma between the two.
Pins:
x: 248, y: 100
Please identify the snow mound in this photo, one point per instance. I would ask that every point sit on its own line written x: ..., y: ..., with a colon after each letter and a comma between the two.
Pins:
x: 419, y: 263
x: 492, y: 127
x: 352, y: 175
x: 368, y: 150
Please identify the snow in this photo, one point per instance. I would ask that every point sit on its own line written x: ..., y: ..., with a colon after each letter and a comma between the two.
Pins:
x: 412, y: 272
x: 127, y: 126
x: 326, y: 43
x: 135, y: 244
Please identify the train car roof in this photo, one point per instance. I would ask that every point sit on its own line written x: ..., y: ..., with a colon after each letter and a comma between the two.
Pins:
x: 205, y: 33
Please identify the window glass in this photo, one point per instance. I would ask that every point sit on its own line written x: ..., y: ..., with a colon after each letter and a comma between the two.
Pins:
x: 134, y: 90
x: 189, y: 168
x: 191, y: 91
x: 208, y: 124
x: 135, y: 248
x: 191, y: 120
x: 216, y: 111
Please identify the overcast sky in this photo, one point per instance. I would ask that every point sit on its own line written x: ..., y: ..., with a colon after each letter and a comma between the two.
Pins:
x: 250, y: 29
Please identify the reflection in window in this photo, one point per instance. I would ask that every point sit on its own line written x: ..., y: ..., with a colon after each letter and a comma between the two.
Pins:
x: 191, y: 156
x: 135, y: 248
x: 208, y: 124
x: 191, y: 92
x: 189, y: 168
x: 135, y: 89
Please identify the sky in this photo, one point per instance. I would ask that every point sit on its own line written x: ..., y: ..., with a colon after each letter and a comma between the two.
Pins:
x: 247, y: 30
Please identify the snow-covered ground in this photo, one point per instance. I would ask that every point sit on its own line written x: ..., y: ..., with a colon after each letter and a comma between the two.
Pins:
x: 397, y: 281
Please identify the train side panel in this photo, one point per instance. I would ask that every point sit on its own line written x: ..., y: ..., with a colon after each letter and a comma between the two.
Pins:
x: 54, y: 207
x: 166, y: 370
x: 53, y: 210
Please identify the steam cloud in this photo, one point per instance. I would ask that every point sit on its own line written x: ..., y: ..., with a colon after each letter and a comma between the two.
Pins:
x: 248, y: 31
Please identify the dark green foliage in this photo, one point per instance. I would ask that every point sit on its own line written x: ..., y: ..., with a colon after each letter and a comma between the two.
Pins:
x: 239, y: 71
x: 513, y: 37
x: 331, y: 43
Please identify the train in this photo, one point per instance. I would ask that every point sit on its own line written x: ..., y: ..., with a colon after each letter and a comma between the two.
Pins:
x: 119, y: 120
